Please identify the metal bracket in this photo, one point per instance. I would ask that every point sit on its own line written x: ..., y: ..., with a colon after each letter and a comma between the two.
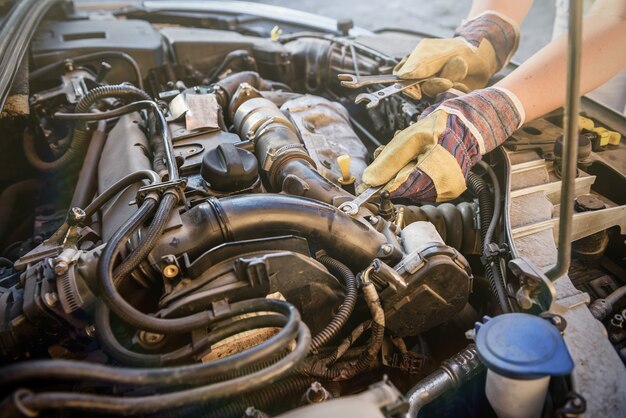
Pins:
x: 160, y: 188
x: 536, y: 293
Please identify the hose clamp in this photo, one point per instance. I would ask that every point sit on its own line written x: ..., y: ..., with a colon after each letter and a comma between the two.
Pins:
x: 173, y: 186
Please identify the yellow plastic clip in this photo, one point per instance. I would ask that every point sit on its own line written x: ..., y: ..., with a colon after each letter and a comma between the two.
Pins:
x: 344, y: 166
x: 275, y: 33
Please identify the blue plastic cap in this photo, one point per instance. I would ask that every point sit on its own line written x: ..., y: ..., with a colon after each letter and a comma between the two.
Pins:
x: 522, y: 346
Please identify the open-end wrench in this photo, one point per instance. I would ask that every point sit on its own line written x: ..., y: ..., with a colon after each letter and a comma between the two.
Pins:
x: 352, y: 207
x: 352, y: 81
x: 372, y: 99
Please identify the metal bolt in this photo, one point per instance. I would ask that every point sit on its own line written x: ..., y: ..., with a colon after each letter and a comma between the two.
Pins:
x: 150, y: 338
x: 170, y: 271
x: 386, y: 249
x: 50, y: 299
x: 524, y: 301
x: 76, y: 216
x: 316, y: 393
x: 61, y: 267
x: 556, y: 320
x: 577, y: 402
x: 90, y: 330
x: 374, y: 220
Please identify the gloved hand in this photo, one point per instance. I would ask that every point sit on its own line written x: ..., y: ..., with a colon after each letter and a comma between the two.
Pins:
x: 431, y: 159
x: 480, y: 48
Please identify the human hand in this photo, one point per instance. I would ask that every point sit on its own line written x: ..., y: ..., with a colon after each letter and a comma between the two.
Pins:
x: 480, y: 48
x: 431, y: 159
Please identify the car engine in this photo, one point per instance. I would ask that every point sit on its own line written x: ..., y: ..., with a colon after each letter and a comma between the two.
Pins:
x: 181, y: 233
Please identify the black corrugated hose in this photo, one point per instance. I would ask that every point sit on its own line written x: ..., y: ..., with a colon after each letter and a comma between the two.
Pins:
x: 338, y: 371
x: 345, y: 309
x: 80, y: 135
x: 479, y: 188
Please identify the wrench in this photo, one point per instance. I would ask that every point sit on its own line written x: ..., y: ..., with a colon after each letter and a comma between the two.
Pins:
x: 372, y: 99
x: 352, y: 207
x: 351, y: 81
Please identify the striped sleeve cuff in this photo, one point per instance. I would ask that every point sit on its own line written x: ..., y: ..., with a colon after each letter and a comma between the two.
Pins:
x: 490, y: 114
x: 502, y: 32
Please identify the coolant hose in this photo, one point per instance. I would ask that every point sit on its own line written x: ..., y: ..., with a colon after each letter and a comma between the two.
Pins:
x: 492, y: 269
x: 345, y: 309
x: 269, y: 215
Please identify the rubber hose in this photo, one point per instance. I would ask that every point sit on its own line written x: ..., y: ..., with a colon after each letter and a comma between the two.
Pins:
x: 119, y: 186
x: 80, y: 136
x: 492, y: 270
x: 108, y: 404
x: 166, y: 376
x: 345, y: 309
x: 262, y: 399
x: 111, y: 346
x: 149, y: 238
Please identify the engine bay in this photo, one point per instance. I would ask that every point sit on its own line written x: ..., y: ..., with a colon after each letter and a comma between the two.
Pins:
x: 182, y: 235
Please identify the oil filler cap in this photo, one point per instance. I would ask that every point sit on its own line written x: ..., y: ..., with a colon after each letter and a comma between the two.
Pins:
x: 228, y: 169
x: 522, y: 346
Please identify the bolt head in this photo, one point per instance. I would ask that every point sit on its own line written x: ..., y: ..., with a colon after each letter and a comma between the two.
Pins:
x: 150, y: 337
x: 50, y: 299
x: 387, y: 249
x: 170, y: 271
x: 76, y: 216
x: 60, y: 268
x: 90, y: 330
x: 524, y: 301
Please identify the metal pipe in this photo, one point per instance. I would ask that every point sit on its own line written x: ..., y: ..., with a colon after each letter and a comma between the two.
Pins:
x: 452, y: 374
x: 570, y: 149
x: 601, y: 308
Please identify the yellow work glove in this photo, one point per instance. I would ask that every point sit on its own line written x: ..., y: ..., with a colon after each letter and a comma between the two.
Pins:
x: 480, y: 48
x: 430, y: 160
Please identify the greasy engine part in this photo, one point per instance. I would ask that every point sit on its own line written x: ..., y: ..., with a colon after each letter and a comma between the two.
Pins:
x: 325, y: 130
x: 429, y: 285
x: 457, y: 224
x: 245, y: 217
x: 321, y: 60
x: 282, y: 156
x: 196, y: 254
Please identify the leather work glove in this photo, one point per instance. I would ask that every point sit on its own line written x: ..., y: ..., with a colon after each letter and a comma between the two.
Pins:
x: 430, y: 160
x: 479, y: 49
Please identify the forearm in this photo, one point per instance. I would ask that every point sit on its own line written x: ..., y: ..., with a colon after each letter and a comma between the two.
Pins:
x: 515, y: 10
x: 539, y: 83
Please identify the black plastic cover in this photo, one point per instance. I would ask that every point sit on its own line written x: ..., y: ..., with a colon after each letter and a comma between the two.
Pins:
x: 229, y: 169
x: 56, y: 41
